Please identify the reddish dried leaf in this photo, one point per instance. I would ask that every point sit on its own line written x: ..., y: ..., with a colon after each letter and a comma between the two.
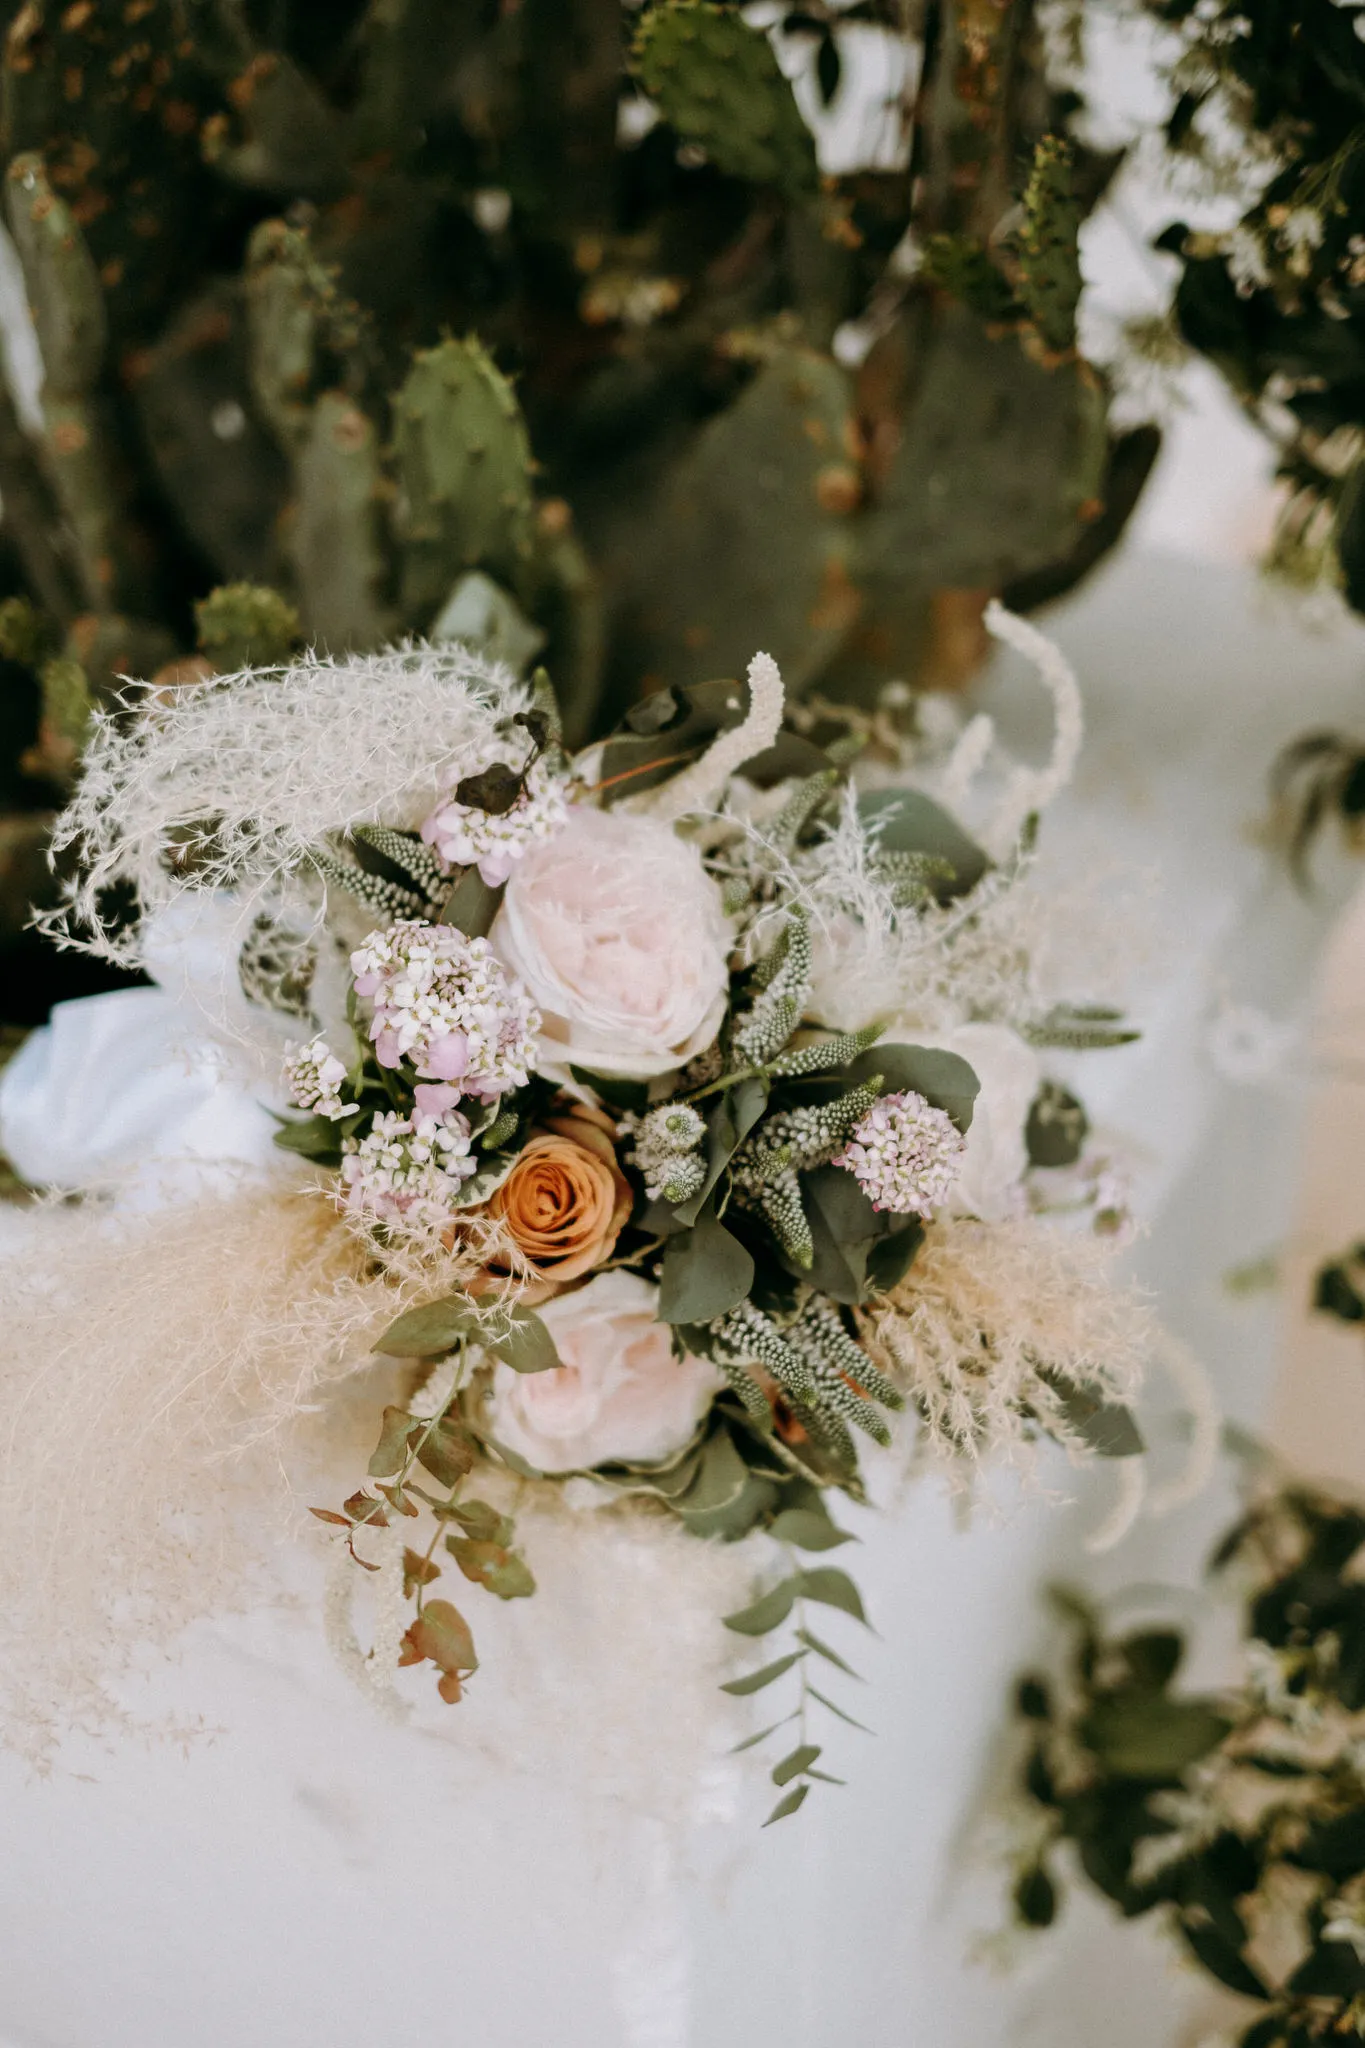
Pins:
x: 326, y: 1515
x: 417, y: 1571
x: 362, y: 1507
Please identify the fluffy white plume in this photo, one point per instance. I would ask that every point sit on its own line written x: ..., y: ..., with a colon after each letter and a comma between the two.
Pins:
x: 227, y: 784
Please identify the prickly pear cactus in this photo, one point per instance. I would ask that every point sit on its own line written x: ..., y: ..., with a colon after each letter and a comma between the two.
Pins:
x: 718, y: 85
x: 539, y: 323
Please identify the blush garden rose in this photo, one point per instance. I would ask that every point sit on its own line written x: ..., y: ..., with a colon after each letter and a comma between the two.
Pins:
x: 618, y: 1393
x: 617, y: 932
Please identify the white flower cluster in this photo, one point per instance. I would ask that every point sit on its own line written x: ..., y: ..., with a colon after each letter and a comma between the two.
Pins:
x: 465, y: 836
x: 445, y: 1003
x: 314, y: 1076
x: 408, y: 1169
x: 666, y: 1143
x: 905, y: 1154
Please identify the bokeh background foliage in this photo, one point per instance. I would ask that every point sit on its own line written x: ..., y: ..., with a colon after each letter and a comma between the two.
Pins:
x: 517, y: 319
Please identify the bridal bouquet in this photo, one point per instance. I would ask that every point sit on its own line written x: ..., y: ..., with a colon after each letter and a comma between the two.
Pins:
x: 675, y: 1113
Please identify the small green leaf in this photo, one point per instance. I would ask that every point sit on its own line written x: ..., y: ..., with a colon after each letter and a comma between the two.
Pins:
x: 429, y: 1330
x: 1057, y: 1126
x: 789, y: 1804
x: 767, y: 1613
x: 826, y: 1777
x: 1106, y: 1427
x: 822, y: 1649
x: 706, y: 1271
x: 808, y: 1529
x: 795, y: 1765
x: 449, y: 1452
x: 1148, y: 1735
x: 907, y: 821
x: 1035, y: 1898
x: 944, y: 1079
x: 490, y: 1565
x: 732, y: 1117
x: 862, y: 1726
x: 752, y: 1741
x: 479, y: 1520
x: 316, y: 1138
x: 833, y: 1588
x: 471, y: 905
x: 525, y: 1344
x: 390, y: 1453
x: 756, y: 1680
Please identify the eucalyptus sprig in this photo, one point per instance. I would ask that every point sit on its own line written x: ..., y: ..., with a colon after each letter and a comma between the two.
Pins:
x: 810, y: 1529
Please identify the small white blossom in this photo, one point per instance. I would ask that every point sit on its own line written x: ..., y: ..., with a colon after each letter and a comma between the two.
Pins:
x: 314, y: 1076
x: 905, y: 1154
x: 408, y: 1170
x: 445, y: 1003
x: 465, y: 836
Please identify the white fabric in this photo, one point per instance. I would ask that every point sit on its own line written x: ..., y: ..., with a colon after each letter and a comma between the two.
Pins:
x: 149, y: 1092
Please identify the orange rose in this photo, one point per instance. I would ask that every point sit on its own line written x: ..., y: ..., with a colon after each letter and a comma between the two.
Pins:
x: 565, y: 1200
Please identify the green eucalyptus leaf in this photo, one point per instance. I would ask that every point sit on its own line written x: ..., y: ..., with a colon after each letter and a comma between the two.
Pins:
x: 907, y: 821
x: 480, y: 1521
x: 725, y: 1499
x: 1106, y: 1427
x: 448, y: 1452
x: 756, y: 1680
x: 315, y: 1137
x: 1148, y: 1735
x: 793, y: 1800
x: 944, y: 1079
x: 809, y: 1529
x: 822, y: 1649
x: 429, y: 1330
x: 862, y: 1726
x: 752, y: 1741
x: 766, y: 1613
x: 730, y: 1120
x: 390, y: 1453
x: 525, y: 1343
x: 706, y: 1270
x: 796, y: 1764
x: 891, y: 1258
x: 832, y: 1588
x: 493, y: 1566
x: 472, y: 905
x: 1057, y: 1127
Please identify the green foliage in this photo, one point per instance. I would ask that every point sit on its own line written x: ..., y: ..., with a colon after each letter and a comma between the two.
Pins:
x: 1241, y: 1818
x: 1047, y: 252
x: 718, y: 84
x: 243, y: 625
x: 1339, y: 1288
x: 1275, y: 300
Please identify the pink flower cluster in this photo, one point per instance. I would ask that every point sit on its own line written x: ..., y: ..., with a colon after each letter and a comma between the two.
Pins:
x: 445, y: 1004
x: 408, y: 1170
x: 905, y: 1154
x: 465, y: 836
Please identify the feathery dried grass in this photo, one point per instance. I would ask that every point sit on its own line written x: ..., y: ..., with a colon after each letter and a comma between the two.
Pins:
x: 985, y: 1312
x: 167, y: 1382
x: 227, y: 784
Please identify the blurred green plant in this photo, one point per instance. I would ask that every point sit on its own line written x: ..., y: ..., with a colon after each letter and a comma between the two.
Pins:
x: 1238, y: 1817
x: 538, y: 325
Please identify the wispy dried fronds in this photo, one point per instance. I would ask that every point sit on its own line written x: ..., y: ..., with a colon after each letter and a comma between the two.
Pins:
x: 159, y: 1382
x: 227, y: 784
x: 992, y: 1322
